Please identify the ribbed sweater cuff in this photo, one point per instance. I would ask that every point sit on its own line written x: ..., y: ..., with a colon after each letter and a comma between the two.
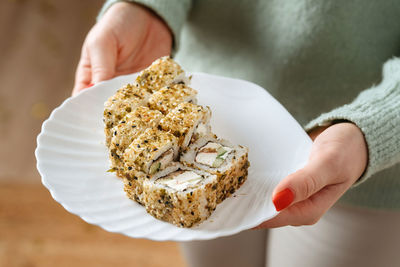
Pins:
x: 173, y: 12
x: 376, y: 112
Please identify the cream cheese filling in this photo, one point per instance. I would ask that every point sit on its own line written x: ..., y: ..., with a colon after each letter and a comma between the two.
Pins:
x: 162, y: 161
x: 180, y: 180
x: 213, y: 154
x: 201, y: 129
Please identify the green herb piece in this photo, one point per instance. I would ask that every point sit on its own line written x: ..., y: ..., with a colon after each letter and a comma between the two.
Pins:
x: 155, y: 167
x: 221, y: 151
x: 112, y: 170
x: 217, y: 162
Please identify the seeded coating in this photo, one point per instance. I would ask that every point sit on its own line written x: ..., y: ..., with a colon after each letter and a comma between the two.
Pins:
x: 182, y: 120
x: 125, y: 100
x: 132, y: 125
x: 168, y: 97
x: 160, y: 73
x: 151, y: 127
x: 147, y: 147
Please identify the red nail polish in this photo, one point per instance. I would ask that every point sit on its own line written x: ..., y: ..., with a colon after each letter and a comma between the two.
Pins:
x: 90, y: 85
x: 283, y: 199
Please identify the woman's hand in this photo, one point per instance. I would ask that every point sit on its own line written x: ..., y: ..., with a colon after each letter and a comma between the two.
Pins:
x: 127, y: 39
x: 338, y: 158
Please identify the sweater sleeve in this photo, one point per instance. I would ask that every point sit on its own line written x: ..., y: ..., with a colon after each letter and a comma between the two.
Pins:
x: 376, y: 111
x: 173, y: 12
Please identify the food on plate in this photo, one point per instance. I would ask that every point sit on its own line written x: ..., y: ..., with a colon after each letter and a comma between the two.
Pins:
x: 187, y: 122
x: 217, y: 156
x: 170, y: 96
x: 162, y: 72
x: 184, y: 196
x: 160, y: 142
x: 151, y: 151
x: 125, y: 100
x: 127, y: 130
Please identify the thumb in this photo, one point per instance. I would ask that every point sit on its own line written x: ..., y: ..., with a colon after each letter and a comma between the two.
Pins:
x: 301, y: 185
x: 103, y: 58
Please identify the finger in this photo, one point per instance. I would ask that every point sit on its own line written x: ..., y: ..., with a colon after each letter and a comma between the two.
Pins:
x: 309, y: 211
x: 83, y: 75
x: 298, y: 186
x: 102, y: 53
x: 320, y: 171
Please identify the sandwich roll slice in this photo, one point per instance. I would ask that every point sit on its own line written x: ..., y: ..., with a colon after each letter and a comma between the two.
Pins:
x: 125, y: 100
x: 218, y: 156
x: 134, y: 179
x: 188, y: 122
x: 127, y: 130
x: 183, y: 196
x: 151, y: 152
x: 162, y: 72
x: 168, y: 97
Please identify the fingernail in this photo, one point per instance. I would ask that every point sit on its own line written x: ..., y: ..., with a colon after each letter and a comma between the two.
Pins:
x: 283, y: 199
x: 90, y: 85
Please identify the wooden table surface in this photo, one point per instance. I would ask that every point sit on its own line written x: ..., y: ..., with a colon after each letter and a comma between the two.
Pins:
x: 37, y: 231
x: 40, y: 44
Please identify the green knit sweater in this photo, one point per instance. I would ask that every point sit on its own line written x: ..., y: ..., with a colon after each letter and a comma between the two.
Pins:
x: 322, y: 60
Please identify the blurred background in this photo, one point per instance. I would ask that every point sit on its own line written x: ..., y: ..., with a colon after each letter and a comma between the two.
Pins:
x: 40, y: 43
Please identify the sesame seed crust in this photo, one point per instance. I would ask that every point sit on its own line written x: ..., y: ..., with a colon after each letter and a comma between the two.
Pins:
x: 146, y: 147
x: 162, y: 72
x: 149, y: 127
x: 129, y: 128
x: 168, y: 97
x: 125, y: 100
x: 183, y: 119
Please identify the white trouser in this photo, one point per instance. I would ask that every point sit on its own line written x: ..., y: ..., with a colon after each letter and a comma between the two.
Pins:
x: 345, y: 236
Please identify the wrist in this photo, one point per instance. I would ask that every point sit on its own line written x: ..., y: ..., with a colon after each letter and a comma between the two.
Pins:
x: 314, y: 132
x: 349, y: 143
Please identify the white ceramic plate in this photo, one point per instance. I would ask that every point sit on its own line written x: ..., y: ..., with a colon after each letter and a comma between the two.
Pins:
x: 72, y: 159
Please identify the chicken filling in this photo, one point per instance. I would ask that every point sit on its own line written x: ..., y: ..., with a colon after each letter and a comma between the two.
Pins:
x: 162, y: 161
x: 180, y: 180
x: 200, y: 130
x: 213, y: 154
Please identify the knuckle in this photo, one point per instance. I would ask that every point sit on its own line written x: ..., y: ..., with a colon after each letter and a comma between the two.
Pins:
x: 331, y: 158
x: 93, y: 42
x: 91, y: 38
x: 96, y: 38
x: 98, y: 69
x: 100, y: 73
x: 309, y: 186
